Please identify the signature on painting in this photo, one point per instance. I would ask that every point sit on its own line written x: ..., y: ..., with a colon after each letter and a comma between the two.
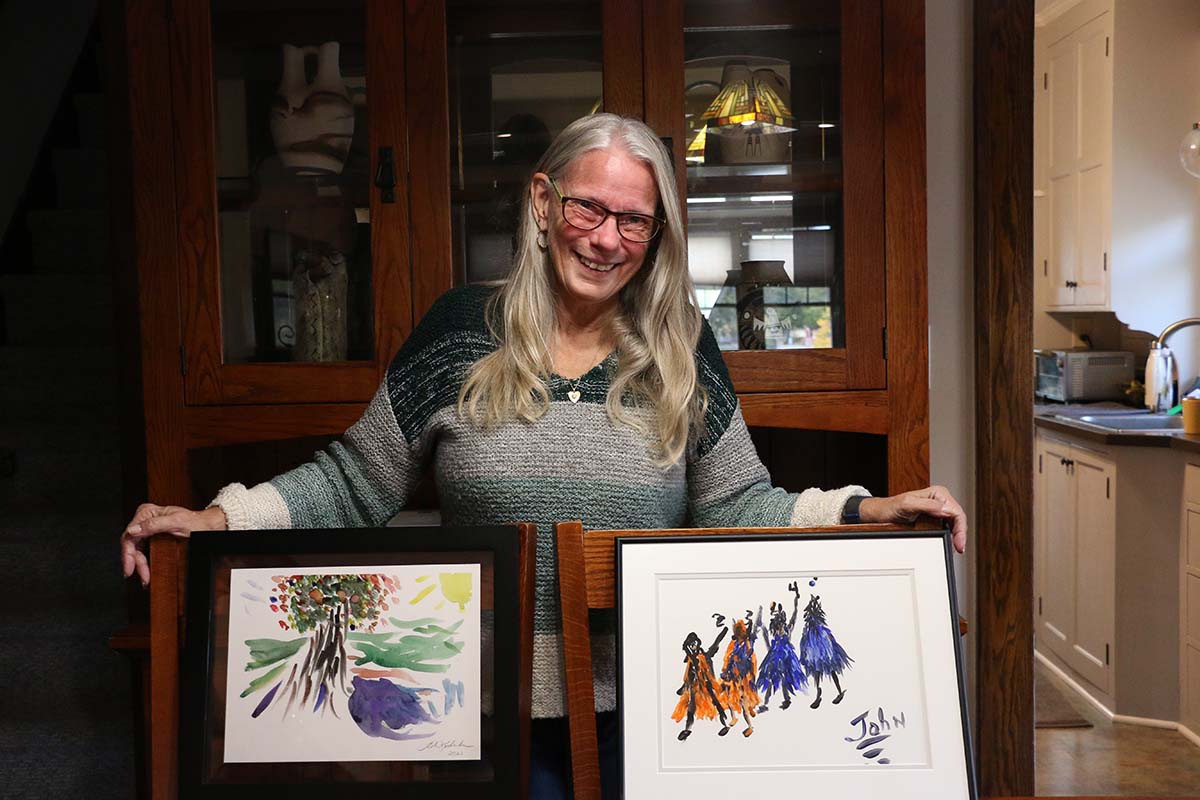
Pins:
x: 874, y: 728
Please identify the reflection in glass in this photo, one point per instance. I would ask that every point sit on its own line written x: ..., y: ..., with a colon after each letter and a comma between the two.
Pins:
x: 519, y: 73
x: 762, y: 120
x: 292, y: 182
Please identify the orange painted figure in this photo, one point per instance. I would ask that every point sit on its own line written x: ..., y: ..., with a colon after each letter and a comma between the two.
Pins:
x: 738, y: 672
x: 700, y: 695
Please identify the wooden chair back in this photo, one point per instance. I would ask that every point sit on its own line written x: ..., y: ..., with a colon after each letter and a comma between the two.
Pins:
x: 168, y: 590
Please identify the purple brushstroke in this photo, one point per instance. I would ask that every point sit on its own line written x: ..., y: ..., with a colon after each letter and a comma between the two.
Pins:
x: 381, y: 708
x: 320, y: 698
x: 266, y: 701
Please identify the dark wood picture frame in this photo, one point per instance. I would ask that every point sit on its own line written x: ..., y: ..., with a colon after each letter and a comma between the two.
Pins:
x: 800, y: 536
x: 506, y: 571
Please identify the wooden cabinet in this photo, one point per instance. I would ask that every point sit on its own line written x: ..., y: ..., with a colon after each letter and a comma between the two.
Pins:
x: 1075, y: 523
x: 444, y: 106
x: 1189, y: 594
x: 1078, y: 82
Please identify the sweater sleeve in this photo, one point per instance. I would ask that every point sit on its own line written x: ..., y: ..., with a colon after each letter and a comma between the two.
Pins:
x: 728, y: 486
x: 366, y: 477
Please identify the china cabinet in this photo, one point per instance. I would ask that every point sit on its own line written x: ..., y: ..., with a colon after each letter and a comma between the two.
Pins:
x: 306, y: 178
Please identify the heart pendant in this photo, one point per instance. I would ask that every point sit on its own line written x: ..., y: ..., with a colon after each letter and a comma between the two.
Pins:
x: 574, y: 395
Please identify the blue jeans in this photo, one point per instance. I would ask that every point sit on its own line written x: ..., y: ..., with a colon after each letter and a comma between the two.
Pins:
x: 550, y: 757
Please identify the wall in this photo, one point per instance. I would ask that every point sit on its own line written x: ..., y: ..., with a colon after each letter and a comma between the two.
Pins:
x: 1156, y: 205
x: 949, y: 117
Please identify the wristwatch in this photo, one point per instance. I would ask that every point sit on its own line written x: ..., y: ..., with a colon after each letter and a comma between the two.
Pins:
x: 850, y: 510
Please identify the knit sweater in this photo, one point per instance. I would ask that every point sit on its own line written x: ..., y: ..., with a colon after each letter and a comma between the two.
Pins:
x: 572, y: 463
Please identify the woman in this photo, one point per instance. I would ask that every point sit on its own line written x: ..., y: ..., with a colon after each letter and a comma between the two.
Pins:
x: 587, y: 385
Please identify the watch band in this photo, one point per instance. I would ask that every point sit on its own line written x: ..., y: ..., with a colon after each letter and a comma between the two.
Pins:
x: 850, y: 514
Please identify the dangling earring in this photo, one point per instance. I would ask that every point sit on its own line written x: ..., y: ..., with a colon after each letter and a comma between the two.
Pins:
x: 543, y: 241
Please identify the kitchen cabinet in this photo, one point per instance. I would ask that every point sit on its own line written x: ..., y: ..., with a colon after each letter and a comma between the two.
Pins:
x: 1108, y: 184
x: 279, y: 251
x: 1107, y: 564
x: 1076, y: 534
x: 1189, y: 594
x: 1078, y: 83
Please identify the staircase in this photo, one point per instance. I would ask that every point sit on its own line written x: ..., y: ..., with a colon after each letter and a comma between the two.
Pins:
x: 66, y: 720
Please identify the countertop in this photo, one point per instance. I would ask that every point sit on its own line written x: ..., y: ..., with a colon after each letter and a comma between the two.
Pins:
x: 1050, y: 417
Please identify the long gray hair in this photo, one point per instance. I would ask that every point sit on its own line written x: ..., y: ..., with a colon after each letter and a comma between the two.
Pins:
x: 656, y: 326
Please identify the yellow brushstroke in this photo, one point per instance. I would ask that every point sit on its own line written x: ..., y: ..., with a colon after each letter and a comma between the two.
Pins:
x: 421, y: 595
x: 456, y: 587
x: 423, y: 578
x: 439, y: 606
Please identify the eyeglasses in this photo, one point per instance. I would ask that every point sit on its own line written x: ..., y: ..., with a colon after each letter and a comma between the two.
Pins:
x: 587, y: 216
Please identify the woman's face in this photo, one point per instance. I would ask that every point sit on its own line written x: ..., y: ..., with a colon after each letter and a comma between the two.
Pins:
x: 593, y: 266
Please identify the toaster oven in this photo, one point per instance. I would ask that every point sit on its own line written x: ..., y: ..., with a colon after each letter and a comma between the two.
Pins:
x: 1070, y: 376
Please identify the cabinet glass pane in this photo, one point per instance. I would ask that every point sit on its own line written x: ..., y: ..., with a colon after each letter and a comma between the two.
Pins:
x: 519, y: 72
x: 762, y: 103
x: 292, y: 180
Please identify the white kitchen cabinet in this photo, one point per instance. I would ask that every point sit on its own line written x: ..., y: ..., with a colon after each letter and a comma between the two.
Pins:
x: 1189, y: 593
x: 1113, y: 209
x: 1078, y: 81
x: 1075, y: 529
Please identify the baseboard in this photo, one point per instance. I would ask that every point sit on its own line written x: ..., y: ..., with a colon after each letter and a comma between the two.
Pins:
x: 1187, y: 734
x: 1074, y: 684
x: 1146, y: 722
x: 1124, y: 719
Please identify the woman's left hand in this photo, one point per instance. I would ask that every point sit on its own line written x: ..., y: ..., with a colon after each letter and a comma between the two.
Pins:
x: 934, y: 501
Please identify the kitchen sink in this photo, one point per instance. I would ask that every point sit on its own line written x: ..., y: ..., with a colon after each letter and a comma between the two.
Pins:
x: 1143, y: 423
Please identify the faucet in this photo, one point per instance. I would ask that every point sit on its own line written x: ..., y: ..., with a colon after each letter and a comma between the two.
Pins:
x: 1162, y: 374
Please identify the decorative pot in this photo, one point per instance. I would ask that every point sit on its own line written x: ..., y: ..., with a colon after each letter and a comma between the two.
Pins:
x: 312, y: 123
x: 752, y: 314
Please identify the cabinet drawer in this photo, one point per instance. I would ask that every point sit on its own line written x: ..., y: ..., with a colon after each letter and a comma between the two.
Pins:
x: 1193, y: 608
x: 1193, y: 538
x: 1191, y: 484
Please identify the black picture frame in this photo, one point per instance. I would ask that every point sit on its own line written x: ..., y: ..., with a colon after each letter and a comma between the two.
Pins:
x: 212, y: 556
x: 951, y: 618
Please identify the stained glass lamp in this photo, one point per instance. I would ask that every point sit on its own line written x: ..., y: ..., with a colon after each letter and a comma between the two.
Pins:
x: 749, y: 99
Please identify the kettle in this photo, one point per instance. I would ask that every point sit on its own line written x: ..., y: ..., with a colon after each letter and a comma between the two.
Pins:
x: 1162, y: 379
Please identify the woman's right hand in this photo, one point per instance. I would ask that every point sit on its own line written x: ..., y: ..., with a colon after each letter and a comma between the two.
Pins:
x: 151, y: 520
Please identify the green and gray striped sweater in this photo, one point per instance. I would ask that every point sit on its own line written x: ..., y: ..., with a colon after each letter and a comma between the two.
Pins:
x: 573, y: 463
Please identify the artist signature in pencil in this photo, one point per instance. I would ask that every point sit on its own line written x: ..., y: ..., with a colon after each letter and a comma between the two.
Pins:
x: 457, y: 745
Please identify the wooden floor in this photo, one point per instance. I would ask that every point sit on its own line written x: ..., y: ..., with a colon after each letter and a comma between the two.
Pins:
x: 1112, y: 758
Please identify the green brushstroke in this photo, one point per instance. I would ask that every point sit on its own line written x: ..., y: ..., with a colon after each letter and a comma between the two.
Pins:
x: 414, y: 651
x: 456, y: 587
x: 263, y: 680
x: 264, y: 652
x: 411, y: 623
x: 421, y: 595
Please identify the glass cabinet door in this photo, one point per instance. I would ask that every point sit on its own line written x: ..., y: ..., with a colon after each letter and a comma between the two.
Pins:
x: 290, y: 280
x: 778, y: 168
x: 518, y: 73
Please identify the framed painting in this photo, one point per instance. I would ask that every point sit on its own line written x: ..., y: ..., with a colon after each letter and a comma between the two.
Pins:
x: 388, y: 657
x: 823, y: 664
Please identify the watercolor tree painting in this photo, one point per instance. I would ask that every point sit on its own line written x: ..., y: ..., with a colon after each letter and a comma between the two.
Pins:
x: 349, y: 649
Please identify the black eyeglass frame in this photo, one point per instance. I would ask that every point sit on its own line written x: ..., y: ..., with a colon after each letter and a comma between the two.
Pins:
x: 562, y: 199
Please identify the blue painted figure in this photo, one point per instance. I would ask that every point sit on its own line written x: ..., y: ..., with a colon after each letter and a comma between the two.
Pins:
x: 780, y: 669
x: 820, y: 653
